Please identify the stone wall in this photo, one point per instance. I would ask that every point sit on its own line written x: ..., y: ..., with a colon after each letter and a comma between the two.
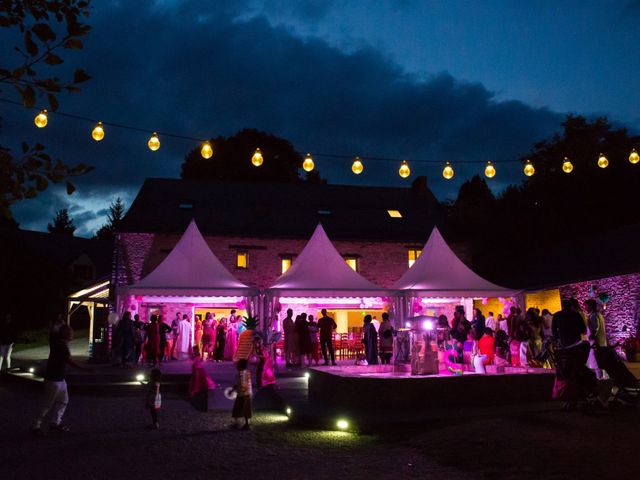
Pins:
x: 139, y: 253
x: 621, y: 312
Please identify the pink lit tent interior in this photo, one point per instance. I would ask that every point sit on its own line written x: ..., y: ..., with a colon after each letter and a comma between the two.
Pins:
x: 190, y: 277
x: 439, y: 280
x: 320, y: 278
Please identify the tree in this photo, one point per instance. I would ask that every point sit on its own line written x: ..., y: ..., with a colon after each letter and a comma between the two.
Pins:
x: 44, y: 28
x: 62, y: 223
x: 232, y: 160
x: 114, y: 217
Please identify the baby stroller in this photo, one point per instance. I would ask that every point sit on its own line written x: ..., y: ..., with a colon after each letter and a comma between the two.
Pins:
x: 627, y: 387
x: 574, y: 381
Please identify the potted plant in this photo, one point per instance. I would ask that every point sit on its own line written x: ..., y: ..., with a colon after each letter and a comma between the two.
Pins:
x: 631, y: 348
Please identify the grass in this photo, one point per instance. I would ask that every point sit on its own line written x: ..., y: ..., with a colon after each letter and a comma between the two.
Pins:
x: 39, y: 337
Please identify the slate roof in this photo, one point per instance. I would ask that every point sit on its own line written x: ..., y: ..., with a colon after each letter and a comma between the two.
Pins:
x: 271, y: 210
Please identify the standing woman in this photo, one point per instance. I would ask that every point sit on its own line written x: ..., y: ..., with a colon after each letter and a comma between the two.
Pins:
x: 165, y: 330
x: 197, y: 337
x: 370, y: 340
x: 386, y: 339
x: 232, y: 339
x: 153, y: 341
x: 304, y: 340
x: 221, y: 338
x: 207, y: 339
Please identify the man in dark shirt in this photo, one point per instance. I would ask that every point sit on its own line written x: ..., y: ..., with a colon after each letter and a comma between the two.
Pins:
x: 327, y: 325
x: 567, y: 325
x: 55, y: 386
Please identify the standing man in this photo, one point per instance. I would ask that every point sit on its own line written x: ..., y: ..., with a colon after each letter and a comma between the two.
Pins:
x: 595, y: 333
x: 327, y: 325
x: 55, y: 387
x: 491, y: 322
x: 175, y: 332
x: 289, y: 329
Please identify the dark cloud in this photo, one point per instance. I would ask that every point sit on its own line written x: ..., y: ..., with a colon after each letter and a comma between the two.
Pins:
x: 182, y: 69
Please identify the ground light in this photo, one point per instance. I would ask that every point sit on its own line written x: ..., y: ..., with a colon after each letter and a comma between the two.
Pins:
x: 342, y: 424
x: 288, y: 411
x: 307, y: 374
x: 32, y: 370
x: 140, y: 377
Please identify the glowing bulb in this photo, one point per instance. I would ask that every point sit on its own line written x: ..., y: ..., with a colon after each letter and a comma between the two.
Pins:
x: 206, y: 151
x: 447, y: 172
x: 41, y: 119
x: 404, y: 170
x: 603, y: 162
x: 140, y: 377
x: 288, y: 411
x: 307, y: 374
x: 32, y: 370
x: 567, y: 166
x: 427, y: 325
x: 342, y: 424
x: 308, y: 164
x: 407, y: 324
x: 528, y: 169
x: 154, y: 142
x: 490, y: 170
x: 357, y: 166
x: 98, y: 132
x: 634, y: 157
x: 257, y: 158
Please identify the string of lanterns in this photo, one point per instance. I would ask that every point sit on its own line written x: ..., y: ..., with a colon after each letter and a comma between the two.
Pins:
x: 206, y: 151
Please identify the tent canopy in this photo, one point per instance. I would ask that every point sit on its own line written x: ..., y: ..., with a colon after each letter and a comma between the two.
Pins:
x: 438, y: 272
x: 320, y: 271
x: 191, y: 269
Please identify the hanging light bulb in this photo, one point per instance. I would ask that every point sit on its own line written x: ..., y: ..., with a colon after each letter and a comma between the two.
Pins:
x: 529, y: 170
x: 98, y: 132
x: 603, y: 162
x: 357, y: 166
x: 308, y: 164
x: 154, y: 142
x: 257, y: 158
x: 490, y: 170
x: 634, y: 157
x: 41, y: 119
x: 206, y: 151
x: 404, y: 170
x: 567, y: 166
x: 447, y: 171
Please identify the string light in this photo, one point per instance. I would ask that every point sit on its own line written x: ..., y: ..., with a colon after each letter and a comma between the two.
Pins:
x: 528, y: 169
x: 404, y: 171
x: 490, y: 170
x: 206, y: 151
x: 603, y: 162
x: 41, y: 119
x: 634, y: 157
x: 567, y: 166
x: 357, y: 166
x: 98, y: 132
x: 154, y: 142
x: 257, y: 159
x: 447, y: 171
x: 308, y: 164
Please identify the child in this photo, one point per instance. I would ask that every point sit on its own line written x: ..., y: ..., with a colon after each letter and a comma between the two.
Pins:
x: 154, y: 399
x: 242, y: 404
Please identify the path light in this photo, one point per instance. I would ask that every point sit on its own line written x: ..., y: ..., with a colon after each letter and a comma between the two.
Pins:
x: 528, y: 169
x: 567, y: 166
x: 32, y: 370
x: 41, y: 119
x: 404, y: 170
x: 490, y: 170
x: 206, y: 151
x: 307, y: 375
x: 308, y: 164
x: 447, y: 172
x: 603, y: 162
x: 98, y: 132
x: 342, y: 424
x: 154, y: 142
x: 357, y: 166
x: 140, y: 377
x: 257, y: 159
x: 634, y: 157
x: 288, y: 411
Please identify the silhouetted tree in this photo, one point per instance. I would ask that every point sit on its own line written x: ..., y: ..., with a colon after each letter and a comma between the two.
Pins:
x: 62, y: 224
x: 114, y: 217
x: 232, y: 160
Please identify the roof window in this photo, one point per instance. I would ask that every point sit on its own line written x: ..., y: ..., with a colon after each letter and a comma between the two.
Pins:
x: 394, y: 213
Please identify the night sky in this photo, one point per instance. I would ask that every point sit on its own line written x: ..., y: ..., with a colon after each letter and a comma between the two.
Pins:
x: 442, y: 80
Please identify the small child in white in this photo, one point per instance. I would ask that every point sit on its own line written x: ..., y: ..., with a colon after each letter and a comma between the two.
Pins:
x: 154, y: 400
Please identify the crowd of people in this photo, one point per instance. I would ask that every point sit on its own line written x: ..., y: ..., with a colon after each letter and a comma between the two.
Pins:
x: 136, y: 341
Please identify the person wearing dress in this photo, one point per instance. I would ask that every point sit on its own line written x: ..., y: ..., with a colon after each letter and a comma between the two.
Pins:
x: 197, y: 337
x: 304, y: 341
x: 385, y: 332
x: 370, y: 340
x: 315, y: 340
x: 221, y: 338
x: 208, y: 335
x: 231, y: 341
x: 153, y: 341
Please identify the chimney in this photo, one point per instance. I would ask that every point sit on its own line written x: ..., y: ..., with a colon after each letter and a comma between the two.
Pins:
x: 419, y: 185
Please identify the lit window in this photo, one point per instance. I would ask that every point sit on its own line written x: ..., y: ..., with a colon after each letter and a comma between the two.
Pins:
x: 394, y: 213
x: 352, y: 262
x: 286, y: 264
x: 186, y: 206
x: 324, y: 211
x: 413, y: 256
x: 242, y: 260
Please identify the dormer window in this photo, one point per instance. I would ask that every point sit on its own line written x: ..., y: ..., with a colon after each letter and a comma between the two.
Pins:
x: 394, y: 213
